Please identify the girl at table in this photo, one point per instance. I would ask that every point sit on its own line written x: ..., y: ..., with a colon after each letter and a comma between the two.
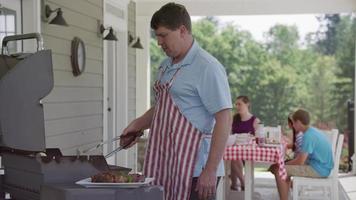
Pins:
x: 297, y: 138
x: 243, y: 122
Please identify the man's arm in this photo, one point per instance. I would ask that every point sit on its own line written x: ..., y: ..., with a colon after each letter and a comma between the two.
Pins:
x: 221, y: 132
x: 139, y: 124
x: 207, y: 180
x: 144, y: 121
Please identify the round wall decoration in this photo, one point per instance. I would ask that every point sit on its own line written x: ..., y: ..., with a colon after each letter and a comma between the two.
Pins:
x: 77, y: 56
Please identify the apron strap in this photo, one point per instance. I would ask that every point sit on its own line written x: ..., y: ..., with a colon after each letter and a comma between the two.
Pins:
x: 173, y: 77
x: 162, y: 72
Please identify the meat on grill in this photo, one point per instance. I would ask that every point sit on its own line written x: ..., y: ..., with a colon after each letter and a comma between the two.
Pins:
x: 114, y: 177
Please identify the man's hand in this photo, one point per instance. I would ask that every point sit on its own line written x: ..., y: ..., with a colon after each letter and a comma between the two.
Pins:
x: 130, y: 139
x: 126, y: 138
x: 206, y: 185
x: 136, y: 126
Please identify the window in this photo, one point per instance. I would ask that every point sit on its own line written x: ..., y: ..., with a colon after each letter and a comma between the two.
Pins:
x: 8, y: 26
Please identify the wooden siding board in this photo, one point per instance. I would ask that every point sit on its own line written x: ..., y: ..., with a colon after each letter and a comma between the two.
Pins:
x: 82, y: 7
x: 76, y: 19
x: 74, y: 139
x: 63, y: 78
x: 63, y: 47
x: 63, y: 63
x: 74, y: 94
x: 76, y: 109
x: 98, y: 3
x: 88, y: 37
x: 70, y: 125
x: 73, y: 150
x: 132, y: 81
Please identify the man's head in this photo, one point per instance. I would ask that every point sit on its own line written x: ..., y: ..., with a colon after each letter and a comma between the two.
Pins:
x: 171, y: 16
x: 173, y: 28
x: 301, y: 120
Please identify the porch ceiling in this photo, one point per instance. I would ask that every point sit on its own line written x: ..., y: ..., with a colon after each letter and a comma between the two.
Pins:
x: 250, y: 7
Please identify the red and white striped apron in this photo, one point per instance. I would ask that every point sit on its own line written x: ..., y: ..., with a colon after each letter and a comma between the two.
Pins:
x: 172, y: 146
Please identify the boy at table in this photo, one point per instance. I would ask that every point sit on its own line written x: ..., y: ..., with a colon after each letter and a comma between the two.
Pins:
x: 315, y: 158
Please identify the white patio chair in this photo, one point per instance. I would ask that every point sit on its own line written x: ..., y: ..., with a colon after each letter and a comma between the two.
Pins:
x: 332, y: 136
x: 329, y: 186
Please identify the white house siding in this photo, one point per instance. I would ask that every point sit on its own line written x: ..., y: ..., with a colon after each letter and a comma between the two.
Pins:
x: 74, y: 108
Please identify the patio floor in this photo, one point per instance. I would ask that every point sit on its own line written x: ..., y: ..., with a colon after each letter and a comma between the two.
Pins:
x: 348, y: 183
x: 265, y: 188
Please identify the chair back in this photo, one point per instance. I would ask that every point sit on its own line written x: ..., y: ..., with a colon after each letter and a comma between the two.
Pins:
x: 334, y: 172
x: 332, y: 136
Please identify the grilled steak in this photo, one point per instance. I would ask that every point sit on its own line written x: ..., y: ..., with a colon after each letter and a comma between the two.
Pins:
x: 114, y: 177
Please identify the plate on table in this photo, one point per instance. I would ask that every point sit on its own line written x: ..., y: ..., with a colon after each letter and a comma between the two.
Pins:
x: 270, y: 145
x: 243, y: 142
x: 244, y: 138
x: 87, y: 183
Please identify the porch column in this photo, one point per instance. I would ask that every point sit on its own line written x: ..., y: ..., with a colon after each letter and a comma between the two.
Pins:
x: 354, y: 156
x: 143, y: 65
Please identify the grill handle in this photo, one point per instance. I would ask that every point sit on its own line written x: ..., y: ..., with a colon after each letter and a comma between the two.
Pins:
x: 36, y: 36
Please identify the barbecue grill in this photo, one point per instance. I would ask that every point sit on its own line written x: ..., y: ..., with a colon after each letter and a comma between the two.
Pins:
x: 32, y: 172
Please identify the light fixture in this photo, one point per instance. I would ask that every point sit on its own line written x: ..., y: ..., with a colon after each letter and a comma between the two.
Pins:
x: 134, y: 42
x: 57, y: 20
x: 110, y: 35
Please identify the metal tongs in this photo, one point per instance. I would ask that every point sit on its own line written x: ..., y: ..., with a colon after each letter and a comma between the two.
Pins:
x: 130, y: 137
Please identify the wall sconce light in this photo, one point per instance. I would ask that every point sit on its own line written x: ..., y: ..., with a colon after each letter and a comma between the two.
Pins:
x: 110, y: 35
x: 47, y: 11
x: 134, y: 42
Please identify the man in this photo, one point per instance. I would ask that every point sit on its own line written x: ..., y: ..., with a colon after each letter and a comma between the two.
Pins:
x: 191, y: 119
x: 315, y: 158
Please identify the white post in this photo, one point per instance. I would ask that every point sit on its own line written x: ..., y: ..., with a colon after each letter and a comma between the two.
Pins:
x: 353, y: 158
x: 143, y: 65
x: 115, y: 80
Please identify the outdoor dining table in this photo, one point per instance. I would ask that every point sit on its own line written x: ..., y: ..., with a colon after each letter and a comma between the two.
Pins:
x: 251, y: 153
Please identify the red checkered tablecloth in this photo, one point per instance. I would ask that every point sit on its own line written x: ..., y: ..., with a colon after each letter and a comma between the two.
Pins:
x: 258, y: 154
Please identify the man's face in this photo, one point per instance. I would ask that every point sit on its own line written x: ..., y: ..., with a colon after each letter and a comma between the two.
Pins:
x: 170, y: 40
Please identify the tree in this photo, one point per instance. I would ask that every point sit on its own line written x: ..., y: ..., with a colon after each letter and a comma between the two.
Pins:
x: 326, y: 35
x: 252, y: 69
x: 279, y: 75
x: 282, y: 42
x: 320, y: 89
x: 337, y: 37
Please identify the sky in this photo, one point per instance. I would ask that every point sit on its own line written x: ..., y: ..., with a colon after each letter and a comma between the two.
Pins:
x: 259, y: 24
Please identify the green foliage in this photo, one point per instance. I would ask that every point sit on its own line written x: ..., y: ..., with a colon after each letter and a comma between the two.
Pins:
x: 326, y: 36
x: 279, y: 75
x: 282, y: 42
x: 337, y: 38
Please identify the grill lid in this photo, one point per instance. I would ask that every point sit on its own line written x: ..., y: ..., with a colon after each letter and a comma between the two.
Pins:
x: 22, y: 86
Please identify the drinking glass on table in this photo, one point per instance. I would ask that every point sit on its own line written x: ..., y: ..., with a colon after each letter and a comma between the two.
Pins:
x: 260, y: 134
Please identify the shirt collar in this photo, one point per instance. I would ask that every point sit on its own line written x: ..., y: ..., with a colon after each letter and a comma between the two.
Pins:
x: 187, y: 60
